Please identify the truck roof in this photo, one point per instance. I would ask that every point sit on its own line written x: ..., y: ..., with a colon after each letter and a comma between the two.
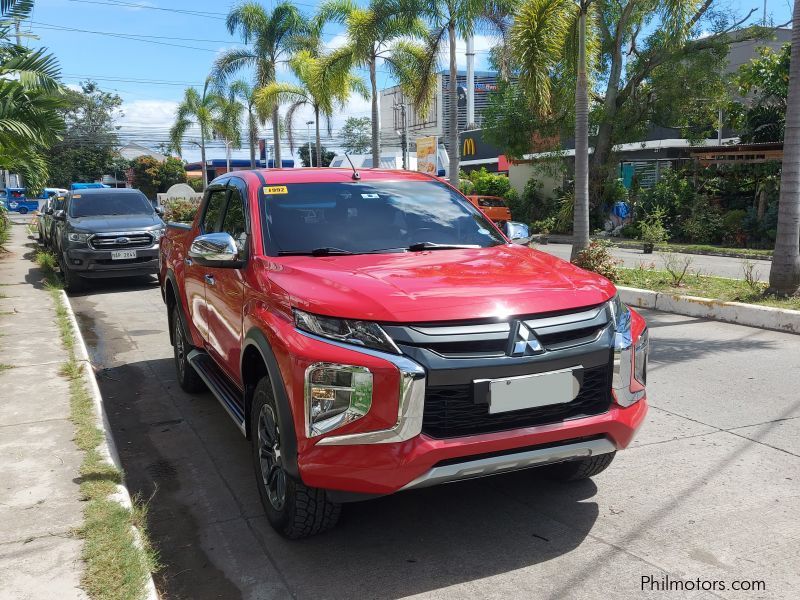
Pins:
x: 332, y: 175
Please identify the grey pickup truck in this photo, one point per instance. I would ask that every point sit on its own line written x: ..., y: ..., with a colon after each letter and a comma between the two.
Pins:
x: 106, y: 232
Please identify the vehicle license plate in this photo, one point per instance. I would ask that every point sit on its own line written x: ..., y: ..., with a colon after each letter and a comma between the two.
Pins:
x: 122, y: 254
x: 530, y: 391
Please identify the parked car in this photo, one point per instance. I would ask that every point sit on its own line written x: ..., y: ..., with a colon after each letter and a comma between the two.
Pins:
x: 105, y: 232
x: 15, y: 200
x: 47, y: 220
x: 376, y: 333
x: 493, y: 207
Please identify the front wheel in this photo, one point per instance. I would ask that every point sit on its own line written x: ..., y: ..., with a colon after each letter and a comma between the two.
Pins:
x: 575, y: 470
x: 72, y: 281
x: 188, y: 378
x: 23, y: 211
x: 293, y: 509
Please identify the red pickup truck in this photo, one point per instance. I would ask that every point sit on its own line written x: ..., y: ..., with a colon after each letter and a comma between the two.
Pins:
x: 374, y: 332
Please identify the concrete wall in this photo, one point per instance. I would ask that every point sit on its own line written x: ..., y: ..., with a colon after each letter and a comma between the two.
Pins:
x: 519, y: 174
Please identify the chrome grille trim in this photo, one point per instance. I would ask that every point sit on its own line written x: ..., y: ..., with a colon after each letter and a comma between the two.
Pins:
x: 110, y: 240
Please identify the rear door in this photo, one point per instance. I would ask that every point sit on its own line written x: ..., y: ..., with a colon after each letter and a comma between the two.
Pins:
x: 194, y: 274
x: 225, y: 286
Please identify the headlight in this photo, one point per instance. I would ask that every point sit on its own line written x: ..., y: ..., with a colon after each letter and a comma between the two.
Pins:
x: 625, y: 355
x: 157, y: 234
x: 335, y: 395
x: 641, y: 352
x: 358, y: 333
x: 80, y: 238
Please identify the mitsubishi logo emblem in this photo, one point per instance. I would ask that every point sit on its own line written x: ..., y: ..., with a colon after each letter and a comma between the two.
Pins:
x: 523, y: 342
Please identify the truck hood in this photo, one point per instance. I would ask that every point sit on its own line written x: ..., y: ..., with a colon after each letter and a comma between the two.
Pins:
x: 108, y: 223
x: 443, y: 285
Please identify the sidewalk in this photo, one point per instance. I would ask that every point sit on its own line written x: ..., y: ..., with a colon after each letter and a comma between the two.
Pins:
x: 39, y: 463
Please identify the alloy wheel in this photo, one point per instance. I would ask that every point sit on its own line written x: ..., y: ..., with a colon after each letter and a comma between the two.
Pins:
x: 269, y: 456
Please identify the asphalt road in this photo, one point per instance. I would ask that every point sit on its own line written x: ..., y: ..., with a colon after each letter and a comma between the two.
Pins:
x: 721, y: 266
x: 710, y: 490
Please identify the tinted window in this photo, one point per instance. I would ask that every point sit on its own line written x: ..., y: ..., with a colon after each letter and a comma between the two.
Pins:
x: 213, y: 215
x: 369, y: 216
x: 234, y: 222
x: 106, y: 204
x: 491, y: 202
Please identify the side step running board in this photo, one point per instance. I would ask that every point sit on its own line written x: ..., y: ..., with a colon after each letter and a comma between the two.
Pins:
x: 227, y: 393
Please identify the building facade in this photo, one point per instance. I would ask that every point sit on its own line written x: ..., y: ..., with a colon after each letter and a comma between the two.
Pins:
x: 436, y: 121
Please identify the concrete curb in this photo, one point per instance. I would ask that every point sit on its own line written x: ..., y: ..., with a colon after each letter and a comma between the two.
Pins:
x: 107, y: 448
x: 764, y: 317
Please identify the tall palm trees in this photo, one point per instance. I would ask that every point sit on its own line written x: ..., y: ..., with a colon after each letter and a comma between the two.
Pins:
x: 379, y: 31
x: 321, y: 87
x: 204, y: 111
x: 245, y: 93
x: 271, y: 36
x: 784, y: 275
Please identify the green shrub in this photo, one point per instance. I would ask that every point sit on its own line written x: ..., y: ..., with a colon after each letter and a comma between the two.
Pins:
x: 733, y: 227
x: 181, y: 210
x: 564, y: 213
x: 704, y: 224
x: 652, y: 227
x: 631, y: 231
x: 196, y: 183
x: 596, y: 257
x: 544, y: 226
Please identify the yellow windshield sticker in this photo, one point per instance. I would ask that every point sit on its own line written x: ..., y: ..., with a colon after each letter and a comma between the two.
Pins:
x: 276, y: 189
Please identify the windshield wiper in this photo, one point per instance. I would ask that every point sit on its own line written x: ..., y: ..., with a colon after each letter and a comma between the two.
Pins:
x: 421, y: 246
x: 324, y: 251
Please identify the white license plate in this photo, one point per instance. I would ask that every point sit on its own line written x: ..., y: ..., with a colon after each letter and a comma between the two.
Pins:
x: 530, y: 391
x: 122, y: 254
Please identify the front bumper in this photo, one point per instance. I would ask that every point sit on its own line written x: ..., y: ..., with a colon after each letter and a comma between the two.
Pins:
x: 369, y: 457
x: 90, y: 263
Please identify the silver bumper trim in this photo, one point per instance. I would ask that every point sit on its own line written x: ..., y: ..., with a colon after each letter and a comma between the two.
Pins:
x: 511, y: 462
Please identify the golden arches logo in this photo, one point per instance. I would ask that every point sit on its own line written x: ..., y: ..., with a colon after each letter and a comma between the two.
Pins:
x: 469, y: 147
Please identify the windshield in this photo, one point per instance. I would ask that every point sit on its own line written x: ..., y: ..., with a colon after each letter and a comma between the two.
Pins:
x: 95, y: 205
x: 375, y: 216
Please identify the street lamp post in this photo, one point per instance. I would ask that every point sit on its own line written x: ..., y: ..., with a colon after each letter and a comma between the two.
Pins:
x: 308, y: 130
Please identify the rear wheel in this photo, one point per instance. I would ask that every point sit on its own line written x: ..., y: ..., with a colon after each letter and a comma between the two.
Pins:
x: 23, y: 210
x: 293, y: 509
x: 188, y: 378
x: 575, y: 470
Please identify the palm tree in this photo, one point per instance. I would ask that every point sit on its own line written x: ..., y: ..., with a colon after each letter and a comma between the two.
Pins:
x: 201, y: 110
x: 320, y: 87
x: 784, y: 275
x: 30, y: 99
x: 229, y: 125
x: 379, y: 31
x: 245, y: 93
x: 271, y: 36
x: 451, y: 19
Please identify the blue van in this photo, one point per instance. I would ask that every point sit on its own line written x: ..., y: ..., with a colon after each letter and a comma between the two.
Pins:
x: 15, y: 200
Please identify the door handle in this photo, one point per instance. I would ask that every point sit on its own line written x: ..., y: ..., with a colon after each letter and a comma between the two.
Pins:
x: 188, y: 261
x: 210, y: 280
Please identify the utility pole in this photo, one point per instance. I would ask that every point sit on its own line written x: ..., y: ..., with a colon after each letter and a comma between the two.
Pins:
x: 470, y: 82
x: 403, y: 131
x: 308, y: 133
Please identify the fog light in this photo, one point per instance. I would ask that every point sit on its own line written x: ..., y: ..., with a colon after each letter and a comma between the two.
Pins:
x: 335, y: 395
x: 77, y: 261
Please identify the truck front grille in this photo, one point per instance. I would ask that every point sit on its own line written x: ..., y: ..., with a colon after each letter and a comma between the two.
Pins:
x: 451, y: 411
x: 121, y: 241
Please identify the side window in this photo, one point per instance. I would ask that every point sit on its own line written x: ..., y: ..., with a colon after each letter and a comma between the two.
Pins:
x: 213, y: 214
x: 235, y: 223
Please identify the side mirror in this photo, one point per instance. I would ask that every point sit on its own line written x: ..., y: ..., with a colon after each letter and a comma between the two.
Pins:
x: 60, y: 215
x: 215, y: 250
x: 48, y: 211
x: 517, y: 232
x: 160, y: 211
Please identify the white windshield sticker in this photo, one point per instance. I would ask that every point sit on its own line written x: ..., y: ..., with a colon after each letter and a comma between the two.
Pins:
x: 370, y: 196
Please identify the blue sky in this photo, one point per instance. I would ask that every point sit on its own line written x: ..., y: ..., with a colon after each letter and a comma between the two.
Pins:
x: 150, y: 76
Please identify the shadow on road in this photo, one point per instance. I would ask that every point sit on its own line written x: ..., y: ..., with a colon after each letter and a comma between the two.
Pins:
x: 183, y: 454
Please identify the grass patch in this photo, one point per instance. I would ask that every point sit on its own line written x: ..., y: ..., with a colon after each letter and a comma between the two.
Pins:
x: 117, y: 565
x: 704, y: 286
x: 5, y: 367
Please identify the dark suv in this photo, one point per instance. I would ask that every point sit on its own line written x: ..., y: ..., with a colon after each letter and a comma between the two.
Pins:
x: 106, y: 233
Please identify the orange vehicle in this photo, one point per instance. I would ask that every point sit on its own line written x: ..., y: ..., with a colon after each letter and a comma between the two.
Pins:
x: 493, y: 207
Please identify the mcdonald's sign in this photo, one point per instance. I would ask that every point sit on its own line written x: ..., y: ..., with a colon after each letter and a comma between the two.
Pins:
x: 469, y: 147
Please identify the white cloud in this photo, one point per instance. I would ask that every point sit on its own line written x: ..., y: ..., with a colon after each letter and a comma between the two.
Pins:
x: 148, y: 113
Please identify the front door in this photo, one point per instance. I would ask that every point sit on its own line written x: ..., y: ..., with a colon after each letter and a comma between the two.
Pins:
x: 225, y: 287
x: 194, y: 274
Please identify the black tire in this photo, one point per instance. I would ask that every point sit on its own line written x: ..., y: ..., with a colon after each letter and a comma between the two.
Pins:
x: 41, y: 237
x: 575, y: 470
x: 23, y: 211
x: 293, y: 509
x: 187, y: 377
x: 72, y: 281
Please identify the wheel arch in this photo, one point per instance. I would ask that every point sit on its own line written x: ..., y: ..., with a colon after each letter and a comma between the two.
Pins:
x: 258, y: 360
